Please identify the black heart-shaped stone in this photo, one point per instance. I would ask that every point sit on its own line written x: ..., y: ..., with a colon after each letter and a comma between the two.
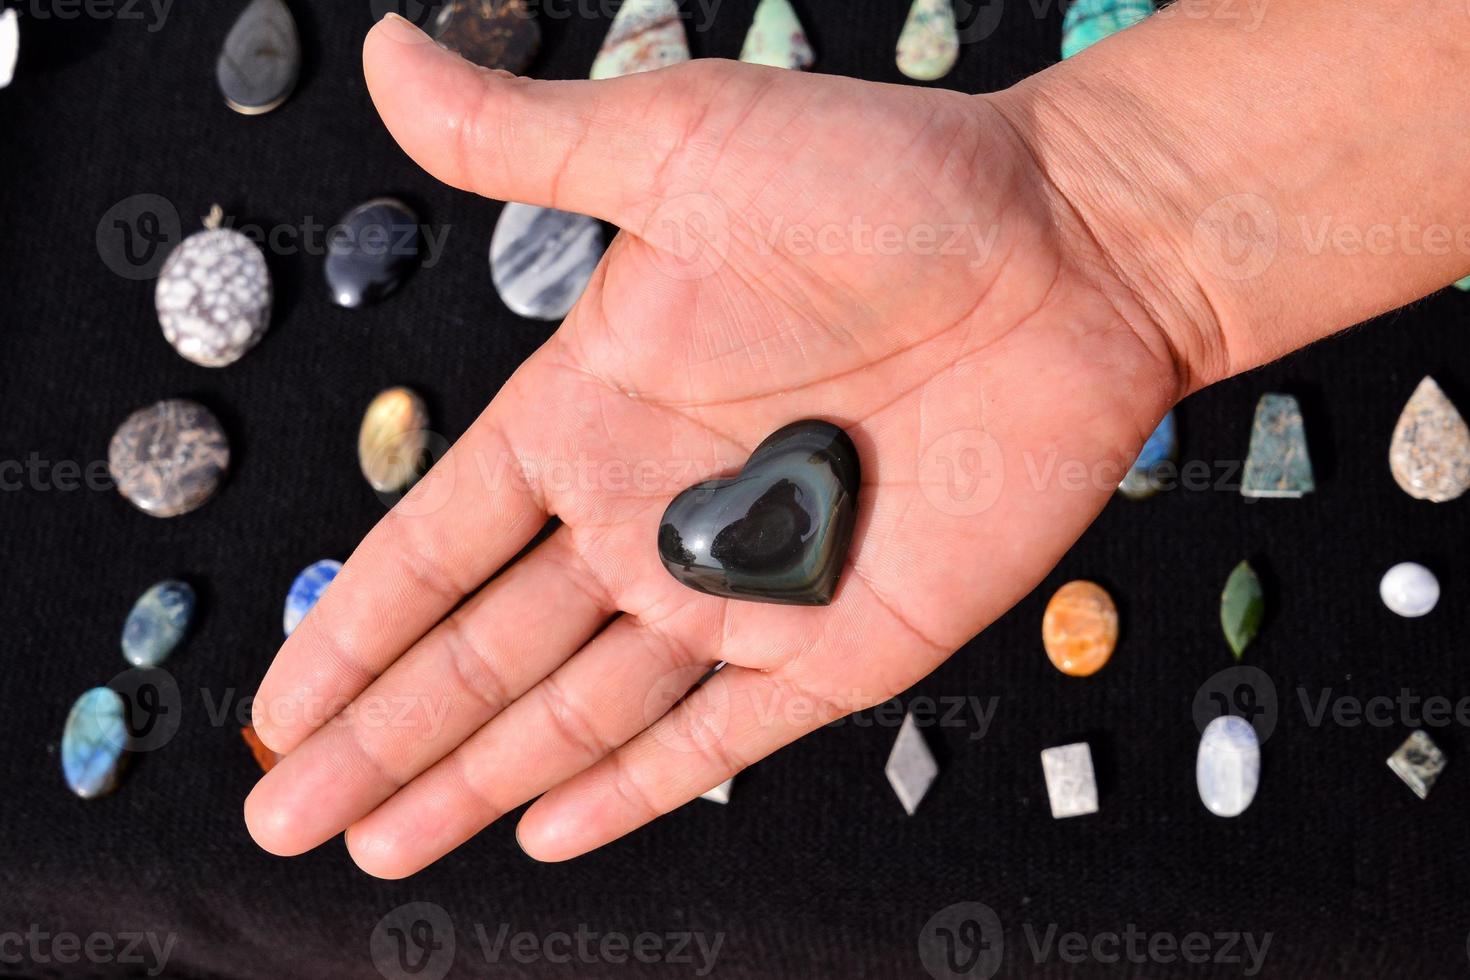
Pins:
x: 777, y: 532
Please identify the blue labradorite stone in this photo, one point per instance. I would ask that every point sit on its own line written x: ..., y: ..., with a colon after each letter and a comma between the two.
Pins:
x: 94, y: 742
x: 1089, y: 21
x: 1146, y: 476
x: 777, y: 532
x: 306, y: 590
x: 157, y: 623
x: 371, y: 251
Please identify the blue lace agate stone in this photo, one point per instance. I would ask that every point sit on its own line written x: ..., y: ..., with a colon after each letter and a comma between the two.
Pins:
x: 1089, y: 21
x: 1144, y: 478
x: 159, y: 620
x: 94, y: 742
x: 306, y: 590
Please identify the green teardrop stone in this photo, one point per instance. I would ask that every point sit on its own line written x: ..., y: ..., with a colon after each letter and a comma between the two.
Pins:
x: 1242, y: 605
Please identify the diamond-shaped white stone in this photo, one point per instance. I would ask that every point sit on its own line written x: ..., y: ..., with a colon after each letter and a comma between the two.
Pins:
x: 1070, y: 784
x: 1418, y: 763
x: 721, y: 793
x: 911, y: 767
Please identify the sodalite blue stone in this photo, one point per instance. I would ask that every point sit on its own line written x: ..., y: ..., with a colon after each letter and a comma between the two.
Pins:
x: 1143, y: 478
x: 1228, y: 766
x: 541, y: 259
x: 157, y: 623
x: 94, y: 742
x: 306, y: 590
x: 1089, y: 21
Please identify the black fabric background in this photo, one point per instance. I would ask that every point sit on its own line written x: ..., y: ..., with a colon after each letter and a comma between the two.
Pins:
x: 813, y: 869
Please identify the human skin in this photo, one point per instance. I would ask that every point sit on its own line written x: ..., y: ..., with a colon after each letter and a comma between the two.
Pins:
x: 1136, y: 223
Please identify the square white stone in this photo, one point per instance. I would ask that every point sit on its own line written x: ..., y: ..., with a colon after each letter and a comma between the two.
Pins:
x: 1070, y: 784
x: 911, y: 767
x: 721, y: 793
x: 1418, y: 763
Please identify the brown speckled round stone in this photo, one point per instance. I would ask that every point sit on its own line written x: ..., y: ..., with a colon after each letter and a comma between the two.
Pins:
x: 214, y: 297
x: 169, y: 458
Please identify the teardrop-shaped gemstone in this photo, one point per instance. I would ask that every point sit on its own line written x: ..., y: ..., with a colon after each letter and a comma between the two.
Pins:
x: 1089, y: 21
x: 9, y: 45
x: 929, y: 42
x: 371, y: 251
x: 169, y: 458
x: 1242, y: 606
x: 645, y: 34
x: 776, y: 38
x: 1277, y: 463
x: 261, y: 60
x: 306, y: 590
x: 1430, y: 452
x: 1079, y: 628
x: 541, y: 259
x: 1463, y: 284
x: 94, y: 742
x: 157, y: 624
x: 265, y: 756
x: 393, y: 439
x: 1149, y: 471
x: 1228, y: 766
x: 213, y: 297
x: 493, y: 33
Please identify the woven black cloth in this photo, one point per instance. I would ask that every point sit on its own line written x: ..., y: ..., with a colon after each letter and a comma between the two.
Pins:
x: 813, y: 868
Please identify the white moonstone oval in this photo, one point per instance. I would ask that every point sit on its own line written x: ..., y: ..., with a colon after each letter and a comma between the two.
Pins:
x: 1228, y: 766
x: 1409, y: 589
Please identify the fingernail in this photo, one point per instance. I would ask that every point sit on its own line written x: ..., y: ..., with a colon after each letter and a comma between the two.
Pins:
x: 400, y: 28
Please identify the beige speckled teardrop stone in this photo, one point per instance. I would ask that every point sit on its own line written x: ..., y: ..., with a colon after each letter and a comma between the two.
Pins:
x: 1430, y: 452
x: 392, y: 440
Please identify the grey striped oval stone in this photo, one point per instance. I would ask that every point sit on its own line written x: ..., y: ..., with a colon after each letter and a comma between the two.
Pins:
x: 541, y: 259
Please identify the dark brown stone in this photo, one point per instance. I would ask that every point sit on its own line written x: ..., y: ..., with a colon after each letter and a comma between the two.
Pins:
x: 493, y: 33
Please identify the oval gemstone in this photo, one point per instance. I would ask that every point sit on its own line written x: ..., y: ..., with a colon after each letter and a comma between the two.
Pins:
x: 1089, y: 21
x: 169, y: 458
x: 393, y: 440
x: 1409, y: 589
x: 9, y: 45
x: 214, y: 297
x: 493, y: 33
x: 1080, y: 628
x: 94, y: 742
x: 1430, y: 452
x: 371, y: 251
x: 929, y: 43
x: 261, y: 60
x: 542, y: 258
x: 306, y: 590
x: 157, y: 624
x: 1145, y: 477
x: 1228, y: 766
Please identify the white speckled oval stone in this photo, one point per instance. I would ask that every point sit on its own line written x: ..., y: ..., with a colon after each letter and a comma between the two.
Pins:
x: 1430, y: 452
x: 214, y: 297
x: 1228, y: 766
x: 1409, y: 589
x: 929, y: 44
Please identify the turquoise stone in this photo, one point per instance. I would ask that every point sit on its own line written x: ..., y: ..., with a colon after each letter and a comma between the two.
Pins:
x: 94, y: 742
x: 1277, y: 464
x: 159, y: 620
x: 1089, y: 21
x: 307, y: 590
x: 776, y: 38
x: 1463, y: 284
x: 1144, y: 478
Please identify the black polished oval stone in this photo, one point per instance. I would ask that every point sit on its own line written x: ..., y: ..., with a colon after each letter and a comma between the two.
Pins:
x: 261, y: 60
x: 777, y: 532
x: 493, y: 33
x: 371, y: 251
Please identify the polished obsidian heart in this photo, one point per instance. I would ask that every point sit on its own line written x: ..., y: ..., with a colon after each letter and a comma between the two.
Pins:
x: 779, y: 531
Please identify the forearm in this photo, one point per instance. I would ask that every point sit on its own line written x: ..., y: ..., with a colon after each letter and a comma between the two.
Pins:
x: 1263, y: 173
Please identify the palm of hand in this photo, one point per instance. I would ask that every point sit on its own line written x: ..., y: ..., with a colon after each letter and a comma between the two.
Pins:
x: 884, y: 258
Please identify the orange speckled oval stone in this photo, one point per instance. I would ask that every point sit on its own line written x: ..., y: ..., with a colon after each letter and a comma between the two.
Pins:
x: 1080, y: 628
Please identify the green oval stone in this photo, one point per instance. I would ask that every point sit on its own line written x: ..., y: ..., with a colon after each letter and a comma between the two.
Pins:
x: 1242, y: 605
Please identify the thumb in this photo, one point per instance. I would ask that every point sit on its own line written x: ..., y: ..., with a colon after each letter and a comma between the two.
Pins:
x: 590, y: 147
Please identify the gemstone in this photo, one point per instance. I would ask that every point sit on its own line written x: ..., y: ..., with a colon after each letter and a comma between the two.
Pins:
x: 1145, y: 477
x: 261, y: 60
x: 169, y: 458
x: 1409, y: 589
x: 157, y: 623
x: 929, y: 42
x: 265, y: 756
x: 645, y: 34
x: 1418, y: 762
x: 1463, y: 284
x: 1089, y: 21
x: 306, y: 590
x: 214, y: 297
x: 721, y: 793
x: 393, y: 440
x: 776, y: 38
x: 371, y: 251
x: 1228, y: 766
x: 1429, y: 455
x: 541, y: 259
x: 1071, y: 786
x: 1242, y: 605
x: 94, y: 742
x: 9, y: 45
x: 1277, y: 464
x: 911, y: 767
x: 1080, y: 628
x: 499, y: 34
x: 778, y: 531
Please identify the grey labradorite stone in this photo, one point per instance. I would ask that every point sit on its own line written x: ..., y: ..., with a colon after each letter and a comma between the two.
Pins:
x: 169, y: 458
x: 541, y: 259
x: 372, y: 250
x: 777, y: 532
x: 214, y: 297
x: 261, y: 60
x: 157, y: 624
